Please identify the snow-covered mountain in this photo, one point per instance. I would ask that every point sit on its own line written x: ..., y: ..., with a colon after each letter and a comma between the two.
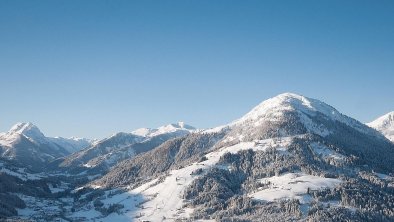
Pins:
x: 272, y: 117
x: 284, y: 160
x: 110, y: 151
x: 72, y: 144
x: 179, y: 128
x: 385, y: 125
x: 291, y: 158
x: 26, y: 144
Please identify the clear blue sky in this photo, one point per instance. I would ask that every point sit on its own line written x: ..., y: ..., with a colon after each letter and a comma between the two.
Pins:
x: 92, y: 68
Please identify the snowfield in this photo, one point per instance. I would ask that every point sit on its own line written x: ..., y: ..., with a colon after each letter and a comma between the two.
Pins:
x: 292, y: 186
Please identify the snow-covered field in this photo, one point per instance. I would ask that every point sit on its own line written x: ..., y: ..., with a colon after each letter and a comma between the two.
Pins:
x: 22, y: 174
x: 292, y: 186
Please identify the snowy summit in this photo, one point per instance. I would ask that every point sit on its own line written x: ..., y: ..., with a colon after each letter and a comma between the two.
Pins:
x: 385, y: 125
x: 179, y: 127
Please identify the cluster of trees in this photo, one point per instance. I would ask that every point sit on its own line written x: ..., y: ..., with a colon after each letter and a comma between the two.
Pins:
x: 112, y: 208
x: 8, y: 203
x: 9, y: 185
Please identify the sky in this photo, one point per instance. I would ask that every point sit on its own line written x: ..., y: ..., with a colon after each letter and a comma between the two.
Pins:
x: 93, y: 68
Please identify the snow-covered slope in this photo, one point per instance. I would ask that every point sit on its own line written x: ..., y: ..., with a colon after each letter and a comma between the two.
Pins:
x: 29, y: 130
x: 289, y: 114
x: 275, y: 109
x: 385, y: 125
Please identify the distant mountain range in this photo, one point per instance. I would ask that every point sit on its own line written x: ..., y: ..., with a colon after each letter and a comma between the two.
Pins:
x: 121, y: 146
x: 27, y: 145
x: 291, y: 158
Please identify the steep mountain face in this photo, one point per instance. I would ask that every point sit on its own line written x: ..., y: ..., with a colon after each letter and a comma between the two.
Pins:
x: 27, y: 145
x: 385, y: 125
x: 290, y: 158
x: 108, y: 152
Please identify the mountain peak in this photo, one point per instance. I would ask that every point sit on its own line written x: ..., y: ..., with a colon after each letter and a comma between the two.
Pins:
x: 170, y: 128
x: 28, y: 129
x: 20, y: 127
x: 180, y: 125
x: 284, y: 110
x: 384, y: 124
x: 276, y: 106
x: 144, y: 132
x: 384, y: 121
x: 290, y: 95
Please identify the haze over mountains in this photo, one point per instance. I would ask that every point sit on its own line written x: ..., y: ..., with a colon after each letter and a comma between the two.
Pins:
x: 290, y: 158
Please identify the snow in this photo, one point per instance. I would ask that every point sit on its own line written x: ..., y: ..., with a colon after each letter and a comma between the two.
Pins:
x: 282, y: 102
x: 179, y: 127
x: 274, y: 108
x: 164, y: 199
x: 384, y: 124
x: 25, y: 128
x: 31, y: 132
x: 41, y: 209
x: 313, y: 127
x: 144, y: 132
x: 216, y: 129
x: 8, y: 140
x: 72, y: 144
x: 21, y: 174
x: 292, y: 186
x: 383, y: 176
x: 89, y: 214
x: 326, y: 152
x: 13, y: 173
x: 61, y: 188
x: 87, y: 165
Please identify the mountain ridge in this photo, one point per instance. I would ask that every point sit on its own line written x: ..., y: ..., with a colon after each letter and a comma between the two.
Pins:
x: 291, y: 141
x: 120, y: 146
x: 291, y: 158
x: 26, y: 143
